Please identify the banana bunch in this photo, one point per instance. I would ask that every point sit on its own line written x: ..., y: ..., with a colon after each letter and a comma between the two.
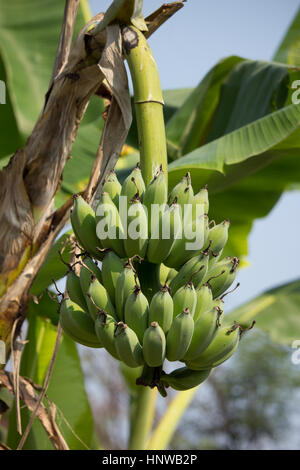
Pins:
x: 158, y: 294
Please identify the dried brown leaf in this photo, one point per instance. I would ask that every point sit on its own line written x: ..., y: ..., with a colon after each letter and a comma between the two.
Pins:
x: 30, y: 398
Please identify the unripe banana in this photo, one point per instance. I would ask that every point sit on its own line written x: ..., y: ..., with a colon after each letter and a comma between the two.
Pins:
x: 98, y: 299
x: 124, y: 287
x: 193, y: 270
x: 220, y: 349
x: 87, y: 271
x: 109, y: 227
x: 184, y: 298
x: 183, y: 192
x: 204, y: 301
x: 184, y: 378
x: 105, y: 330
x: 218, y: 303
x: 205, y: 330
x: 200, y: 200
x: 128, y: 346
x: 137, y: 312
x: 218, y: 236
x: 84, y: 225
x: 172, y: 273
x: 77, y: 324
x: 137, y: 230
x: 155, y: 193
x: 154, y: 345
x: 133, y: 184
x: 112, y: 187
x: 163, y: 274
x: 222, y: 275
x: 194, y: 238
x: 179, y: 336
x: 74, y: 290
x: 161, y: 309
x: 214, y: 258
x: 168, y: 228
x: 112, y: 266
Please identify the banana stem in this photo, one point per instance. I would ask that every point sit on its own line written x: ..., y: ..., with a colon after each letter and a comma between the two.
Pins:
x: 142, y: 414
x: 148, y: 102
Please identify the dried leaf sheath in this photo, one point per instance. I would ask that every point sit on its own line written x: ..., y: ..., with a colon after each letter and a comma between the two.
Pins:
x: 29, y: 182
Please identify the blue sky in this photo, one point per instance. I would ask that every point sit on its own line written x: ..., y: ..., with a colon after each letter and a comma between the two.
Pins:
x: 203, y: 32
x: 185, y: 48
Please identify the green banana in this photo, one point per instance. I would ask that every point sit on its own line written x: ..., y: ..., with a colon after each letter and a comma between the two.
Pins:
x: 112, y: 187
x: 98, y: 299
x: 172, y: 273
x: 125, y: 285
x: 184, y: 298
x: 183, y: 192
x: 222, y: 275
x: 84, y: 225
x: 205, y: 330
x: 88, y: 269
x: 220, y: 349
x: 213, y: 259
x: 112, y: 266
x: 194, y: 233
x: 154, y: 345
x: 105, y: 330
x: 163, y: 274
x: 184, y: 378
x: 137, y: 230
x: 179, y: 336
x: 200, y: 200
x: 155, y: 193
x: 136, y: 312
x: 218, y: 303
x: 74, y: 290
x: 109, y: 227
x: 161, y: 309
x: 77, y: 324
x: 127, y: 345
x: 168, y: 228
x: 133, y: 184
x: 204, y: 301
x: 218, y: 236
x: 193, y: 270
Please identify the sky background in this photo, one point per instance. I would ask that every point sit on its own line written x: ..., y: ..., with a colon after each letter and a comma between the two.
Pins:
x: 185, y: 48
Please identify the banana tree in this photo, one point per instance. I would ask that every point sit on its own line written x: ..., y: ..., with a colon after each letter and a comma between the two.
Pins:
x: 237, y: 131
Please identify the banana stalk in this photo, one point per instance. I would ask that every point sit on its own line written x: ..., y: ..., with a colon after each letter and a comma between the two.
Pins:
x: 148, y: 101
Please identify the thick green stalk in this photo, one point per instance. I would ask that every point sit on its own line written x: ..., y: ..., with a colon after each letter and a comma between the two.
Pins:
x: 164, y: 432
x: 148, y: 102
x: 142, y: 414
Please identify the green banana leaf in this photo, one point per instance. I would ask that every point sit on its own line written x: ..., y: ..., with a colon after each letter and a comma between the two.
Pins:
x: 10, y: 136
x: 66, y: 388
x: 29, y: 34
x: 187, y: 128
x: 53, y: 268
x: 276, y: 311
x: 289, y: 50
x: 252, y: 135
